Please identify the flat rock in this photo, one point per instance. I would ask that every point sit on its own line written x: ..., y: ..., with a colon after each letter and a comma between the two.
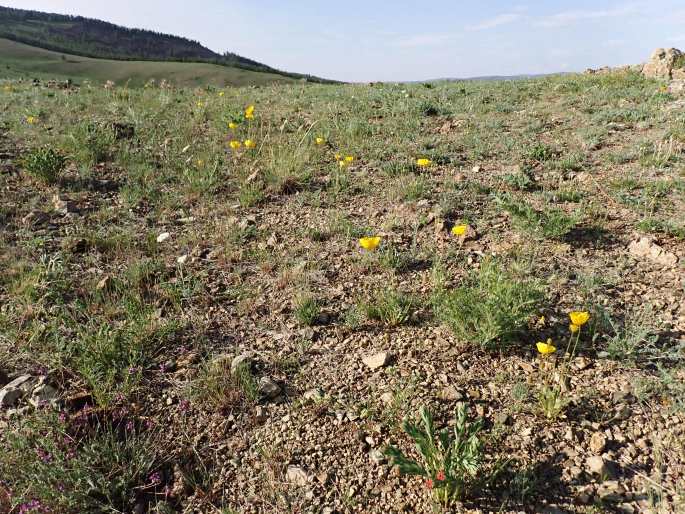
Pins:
x: 595, y: 465
x: 313, y: 395
x: 598, y: 442
x: 377, y: 360
x: 297, y: 476
x: 62, y: 205
x: 644, y: 248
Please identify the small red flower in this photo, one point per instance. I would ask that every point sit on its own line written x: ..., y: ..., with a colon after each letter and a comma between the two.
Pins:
x: 440, y: 476
x: 429, y: 483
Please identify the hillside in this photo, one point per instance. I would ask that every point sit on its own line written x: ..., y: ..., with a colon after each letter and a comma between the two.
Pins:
x: 99, y: 39
x: 241, y: 301
x: 18, y: 60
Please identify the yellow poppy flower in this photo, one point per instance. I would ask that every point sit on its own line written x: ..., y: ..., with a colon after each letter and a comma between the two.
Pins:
x: 221, y: 93
x: 249, y: 112
x: 423, y: 163
x: 546, y: 348
x: 349, y: 159
x: 249, y: 143
x: 200, y: 105
x: 338, y: 157
x: 31, y: 120
x: 459, y: 230
x: 370, y: 243
x: 232, y: 125
x: 573, y: 328
x: 342, y: 164
x: 579, y: 318
x: 235, y: 144
x: 320, y: 140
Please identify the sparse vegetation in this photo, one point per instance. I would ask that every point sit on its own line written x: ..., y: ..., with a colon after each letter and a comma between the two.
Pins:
x: 226, y: 300
x: 451, y: 458
x: 45, y: 163
x: 491, y: 308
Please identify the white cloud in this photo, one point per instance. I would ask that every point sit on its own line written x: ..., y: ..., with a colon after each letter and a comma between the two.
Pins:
x: 497, y: 21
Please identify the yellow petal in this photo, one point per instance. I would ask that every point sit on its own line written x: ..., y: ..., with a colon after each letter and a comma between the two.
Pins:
x: 370, y: 243
x: 320, y: 140
x: 459, y: 230
x: 423, y: 162
x: 573, y: 328
x: 349, y: 158
x: 579, y: 318
x: 546, y: 348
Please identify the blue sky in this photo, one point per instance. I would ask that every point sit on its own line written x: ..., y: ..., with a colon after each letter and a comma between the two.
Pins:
x: 393, y: 40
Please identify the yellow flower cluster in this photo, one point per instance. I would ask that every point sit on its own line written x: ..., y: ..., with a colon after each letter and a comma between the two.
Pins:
x: 578, y: 319
x: 236, y: 144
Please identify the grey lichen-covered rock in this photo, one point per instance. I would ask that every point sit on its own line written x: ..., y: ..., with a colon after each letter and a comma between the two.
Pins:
x: 268, y: 388
x: 44, y: 394
x: 16, y: 390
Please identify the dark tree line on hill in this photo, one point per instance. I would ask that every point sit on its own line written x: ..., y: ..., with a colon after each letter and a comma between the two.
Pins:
x: 99, y: 39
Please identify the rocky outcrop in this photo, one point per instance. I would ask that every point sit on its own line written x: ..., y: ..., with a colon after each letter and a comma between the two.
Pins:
x: 665, y: 64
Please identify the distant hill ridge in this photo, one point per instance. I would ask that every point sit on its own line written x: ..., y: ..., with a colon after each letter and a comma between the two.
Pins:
x: 103, y: 40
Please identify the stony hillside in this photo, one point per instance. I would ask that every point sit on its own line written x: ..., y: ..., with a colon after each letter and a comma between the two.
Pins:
x: 259, y: 300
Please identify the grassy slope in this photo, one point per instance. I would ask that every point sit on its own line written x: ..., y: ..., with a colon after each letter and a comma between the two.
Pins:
x: 19, y: 60
x: 557, y: 176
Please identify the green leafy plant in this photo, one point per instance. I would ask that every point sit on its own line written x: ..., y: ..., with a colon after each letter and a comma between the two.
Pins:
x: 93, y: 142
x: 217, y: 387
x: 45, y: 163
x: 307, y: 310
x: 491, y: 308
x: 551, y: 223
x: 390, y: 306
x: 450, y: 460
